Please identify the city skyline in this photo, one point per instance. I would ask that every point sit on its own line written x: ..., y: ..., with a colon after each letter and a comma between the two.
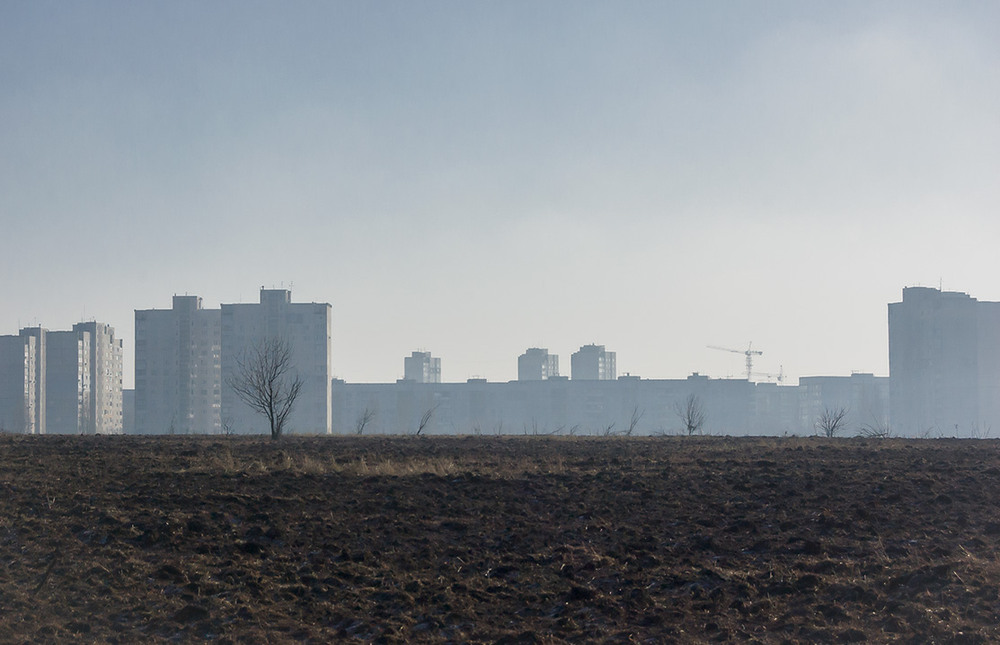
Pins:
x: 944, y: 376
x: 759, y: 375
x: 475, y: 181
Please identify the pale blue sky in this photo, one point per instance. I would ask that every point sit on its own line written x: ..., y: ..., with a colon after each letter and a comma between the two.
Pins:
x: 476, y: 178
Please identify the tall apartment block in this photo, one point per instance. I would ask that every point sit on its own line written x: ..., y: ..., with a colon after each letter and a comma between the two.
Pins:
x: 39, y: 407
x: 178, y: 369
x: 592, y: 363
x: 307, y: 329
x: 944, y: 363
x: 537, y: 364
x: 77, y: 379
x: 421, y: 367
x: 105, y: 401
x: 68, y: 385
x: 18, y: 384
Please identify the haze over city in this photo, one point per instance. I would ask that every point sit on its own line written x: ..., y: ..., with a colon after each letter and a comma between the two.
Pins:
x: 475, y: 179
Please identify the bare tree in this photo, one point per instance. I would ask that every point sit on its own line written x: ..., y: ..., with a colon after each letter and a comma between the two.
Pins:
x: 831, y: 421
x: 877, y: 429
x: 637, y: 416
x: 263, y: 379
x: 691, y: 413
x: 363, y: 420
x: 426, y: 419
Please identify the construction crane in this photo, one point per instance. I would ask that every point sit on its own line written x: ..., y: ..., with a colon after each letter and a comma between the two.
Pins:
x: 749, y: 352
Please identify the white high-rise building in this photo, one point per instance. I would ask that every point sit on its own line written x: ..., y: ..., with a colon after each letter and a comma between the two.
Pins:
x: 178, y: 369
x: 67, y: 382
x: 77, y: 380
x: 944, y: 364
x: 306, y: 327
x: 39, y: 406
x: 105, y: 400
x: 18, y: 384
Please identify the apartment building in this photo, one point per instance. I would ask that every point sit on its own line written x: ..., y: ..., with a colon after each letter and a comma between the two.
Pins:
x: 421, y: 367
x: 306, y: 327
x: 178, y: 369
x: 536, y: 364
x: 593, y: 363
x: 67, y: 379
x: 944, y: 364
x: 18, y: 384
x: 105, y: 399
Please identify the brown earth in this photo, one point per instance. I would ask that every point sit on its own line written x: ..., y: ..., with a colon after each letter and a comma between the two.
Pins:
x: 509, y: 540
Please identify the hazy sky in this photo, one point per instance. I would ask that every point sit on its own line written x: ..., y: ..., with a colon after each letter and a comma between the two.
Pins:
x: 474, y: 178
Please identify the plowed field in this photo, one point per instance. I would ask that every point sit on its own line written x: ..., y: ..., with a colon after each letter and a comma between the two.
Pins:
x: 488, y: 539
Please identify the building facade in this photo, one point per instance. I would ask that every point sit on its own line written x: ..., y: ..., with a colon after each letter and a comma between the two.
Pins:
x: 67, y: 370
x: 105, y: 399
x: 421, y: 367
x: 593, y: 363
x: 39, y: 405
x: 18, y: 384
x: 558, y: 405
x: 944, y: 364
x: 178, y: 369
x: 306, y: 327
x: 67, y: 382
x: 864, y: 399
x: 536, y: 364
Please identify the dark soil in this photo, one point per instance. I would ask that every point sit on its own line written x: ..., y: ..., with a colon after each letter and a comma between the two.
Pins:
x: 499, y: 540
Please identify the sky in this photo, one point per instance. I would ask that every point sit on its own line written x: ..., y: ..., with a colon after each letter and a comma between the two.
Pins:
x: 476, y: 178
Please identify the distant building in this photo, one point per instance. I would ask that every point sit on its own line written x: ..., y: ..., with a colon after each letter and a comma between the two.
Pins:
x: 306, y: 327
x: 944, y: 364
x: 178, y: 369
x: 40, y: 334
x: 537, y: 365
x: 128, y: 411
x: 68, y: 387
x: 18, y: 384
x: 593, y: 363
x: 78, y: 379
x: 421, y: 367
x: 553, y: 406
x: 864, y: 398
x: 776, y: 411
x: 105, y: 400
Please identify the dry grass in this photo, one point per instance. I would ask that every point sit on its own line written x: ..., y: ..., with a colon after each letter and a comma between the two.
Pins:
x: 231, y: 460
